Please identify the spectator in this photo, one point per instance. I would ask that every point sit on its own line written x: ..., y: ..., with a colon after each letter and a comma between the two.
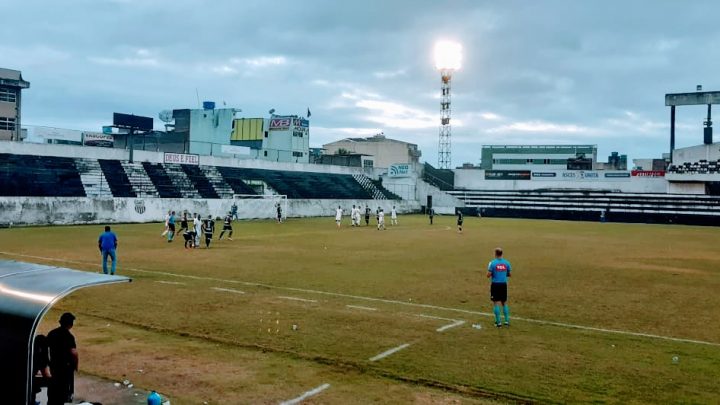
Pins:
x: 63, y: 361
x: 107, y: 243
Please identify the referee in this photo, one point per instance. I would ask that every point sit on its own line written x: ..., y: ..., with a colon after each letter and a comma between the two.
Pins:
x: 499, y: 271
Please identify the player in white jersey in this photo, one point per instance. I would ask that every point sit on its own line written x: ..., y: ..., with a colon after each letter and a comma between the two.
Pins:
x: 167, y: 224
x: 352, y: 216
x: 338, y: 216
x: 381, y: 219
x: 197, y: 224
x: 393, y: 216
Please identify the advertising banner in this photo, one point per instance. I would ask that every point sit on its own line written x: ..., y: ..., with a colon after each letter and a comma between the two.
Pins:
x: 648, y: 173
x: 98, y: 139
x: 59, y: 134
x: 280, y: 123
x: 549, y: 175
x: 399, y: 170
x: 617, y: 175
x: 182, y: 158
x: 507, y: 174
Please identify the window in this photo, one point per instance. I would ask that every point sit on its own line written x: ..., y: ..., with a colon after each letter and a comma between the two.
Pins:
x: 266, y: 134
x: 7, y: 124
x: 265, y: 152
x: 7, y: 95
x: 297, y: 154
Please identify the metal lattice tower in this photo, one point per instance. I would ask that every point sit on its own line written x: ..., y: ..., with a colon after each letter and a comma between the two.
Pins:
x: 444, y: 158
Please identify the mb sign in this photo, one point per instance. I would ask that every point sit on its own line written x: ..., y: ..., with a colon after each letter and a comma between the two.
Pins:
x: 399, y: 170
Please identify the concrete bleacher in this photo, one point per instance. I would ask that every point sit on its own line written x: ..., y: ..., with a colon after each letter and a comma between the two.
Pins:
x: 588, y: 206
x: 700, y: 167
x: 116, y: 178
x: 39, y: 176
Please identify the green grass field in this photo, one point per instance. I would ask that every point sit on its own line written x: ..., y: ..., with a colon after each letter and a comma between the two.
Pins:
x: 595, y: 307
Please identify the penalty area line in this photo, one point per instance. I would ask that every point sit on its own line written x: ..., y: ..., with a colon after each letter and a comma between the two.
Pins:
x: 384, y: 300
x: 306, y: 395
x: 227, y: 290
x: 295, y: 299
x: 389, y: 352
x: 169, y: 282
x: 361, y: 307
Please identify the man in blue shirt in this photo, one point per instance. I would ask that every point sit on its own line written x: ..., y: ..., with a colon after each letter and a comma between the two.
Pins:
x: 107, y: 243
x: 498, y: 272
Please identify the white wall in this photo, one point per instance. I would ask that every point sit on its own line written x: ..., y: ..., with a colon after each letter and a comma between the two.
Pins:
x: 65, y: 210
x: 686, y: 188
x: 695, y: 153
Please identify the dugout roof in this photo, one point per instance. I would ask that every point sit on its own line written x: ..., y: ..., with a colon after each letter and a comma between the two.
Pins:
x: 27, y: 292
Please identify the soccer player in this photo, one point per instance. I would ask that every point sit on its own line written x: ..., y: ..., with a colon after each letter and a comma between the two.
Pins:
x: 171, y: 227
x: 107, y: 243
x: 431, y: 214
x: 234, y: 211
x: 393, y: 216
x: 367, y: 216
x: 189, y: 236
x: 184, y: 223
x: 459, y: 220
x: 338, y: 216
x: 352, y: 216
x: 208, y: 227
x: 227, y: 226
x: 498, y: 272
x: 381, y: 219
x: 167, y: 218
x: 279, y: 213
x: 197, y: 224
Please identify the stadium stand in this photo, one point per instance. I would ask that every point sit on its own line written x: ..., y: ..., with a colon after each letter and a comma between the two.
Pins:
x: 92, y: 178
x: 39, y: 176
x: 587, y: 206
x: 699, y: 167
x: 139, y: 179
x: 161, y: 180
x: 200, y: 181
x: 443, y: 179
x: 116, y: 178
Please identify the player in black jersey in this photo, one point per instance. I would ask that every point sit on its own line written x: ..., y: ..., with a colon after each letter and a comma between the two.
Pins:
x: 208, y: 227
x: 367, y: 216
x: 227, y: 226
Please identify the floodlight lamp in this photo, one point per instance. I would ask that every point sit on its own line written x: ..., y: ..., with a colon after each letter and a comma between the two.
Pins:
x: 448, y: 55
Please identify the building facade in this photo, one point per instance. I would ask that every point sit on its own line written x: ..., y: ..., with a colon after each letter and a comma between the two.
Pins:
x: 277, y: 139
x: 385, y: 151
x: 529, y: 157
x: 11, y: 86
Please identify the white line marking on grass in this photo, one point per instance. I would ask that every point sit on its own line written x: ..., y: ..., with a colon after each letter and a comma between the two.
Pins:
x: 437, y: 317
x: 227, y: 290
x: 389, y: 352
x: 296, y: 299
x: 169, y: 282
x: 361, y: 307
x: 387, y: 301
x: 452, y: 325
x: 306, y: 395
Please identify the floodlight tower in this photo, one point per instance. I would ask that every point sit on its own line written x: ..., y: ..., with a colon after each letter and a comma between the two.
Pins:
x: 448, y: 56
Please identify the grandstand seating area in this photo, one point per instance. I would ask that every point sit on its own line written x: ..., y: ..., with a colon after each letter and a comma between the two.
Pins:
x: 699, y: 167
x: 443, y: 179
x: 38, y: 176
x: 588, y: 206
x: 29, y: 175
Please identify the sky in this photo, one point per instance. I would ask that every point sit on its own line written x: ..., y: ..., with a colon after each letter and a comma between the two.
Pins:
x: 533, y: 72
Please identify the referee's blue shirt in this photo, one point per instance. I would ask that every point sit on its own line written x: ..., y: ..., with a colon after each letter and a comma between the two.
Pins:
x: 500, y: 270
x: 107, y: 241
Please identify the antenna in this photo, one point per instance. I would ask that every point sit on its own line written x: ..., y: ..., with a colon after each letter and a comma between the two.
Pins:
x: 272, y: 111
x: 198, y: 96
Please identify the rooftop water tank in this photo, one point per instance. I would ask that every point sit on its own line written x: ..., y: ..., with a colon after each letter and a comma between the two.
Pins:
x: 208, y: 105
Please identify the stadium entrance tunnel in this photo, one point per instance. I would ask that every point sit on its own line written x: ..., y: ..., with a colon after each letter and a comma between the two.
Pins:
x: 27, y: 292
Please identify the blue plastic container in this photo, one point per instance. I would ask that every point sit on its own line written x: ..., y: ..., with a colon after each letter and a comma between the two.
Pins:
x: 208, y: 105
x: 154, y: 398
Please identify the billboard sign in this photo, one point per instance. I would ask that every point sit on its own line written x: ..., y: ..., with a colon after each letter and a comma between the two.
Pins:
x: 648, y: 173
x: 132, y: 121
x: 182, y: 158
x: 60, y: 134
x: 280, y: 123
x: 98, y: 139
x: 399, y: 170
x: 301, y: 122
x: 617, y: 175
x: 543, y: 175
x: 507, y: 174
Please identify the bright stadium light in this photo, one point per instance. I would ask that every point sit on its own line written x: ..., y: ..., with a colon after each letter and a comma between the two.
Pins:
x: 448, y: 55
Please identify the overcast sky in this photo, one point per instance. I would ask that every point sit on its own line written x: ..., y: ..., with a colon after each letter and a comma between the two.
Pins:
x: 534, y: 72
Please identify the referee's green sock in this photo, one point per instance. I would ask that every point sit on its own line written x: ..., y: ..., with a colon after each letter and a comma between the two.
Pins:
x: 506, y: 312
x: 496, y: 311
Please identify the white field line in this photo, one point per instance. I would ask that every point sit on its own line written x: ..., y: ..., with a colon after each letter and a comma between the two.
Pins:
x: 227, y: 290
x: 387, y: 301
x: 306, y: 395
x: 455, y: 322
x: 296, y: 299
x: 452, y: 325
x: 169, y: 282
x: 389, y: 352
x: 361, y: 307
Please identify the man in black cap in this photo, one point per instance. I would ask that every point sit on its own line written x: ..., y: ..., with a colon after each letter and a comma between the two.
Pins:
x: 63, y: 361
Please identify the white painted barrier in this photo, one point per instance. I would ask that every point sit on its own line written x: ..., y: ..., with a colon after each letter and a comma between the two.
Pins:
x: 82, y: 210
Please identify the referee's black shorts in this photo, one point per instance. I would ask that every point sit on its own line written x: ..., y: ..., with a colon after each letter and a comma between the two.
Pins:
x: 498, y: 292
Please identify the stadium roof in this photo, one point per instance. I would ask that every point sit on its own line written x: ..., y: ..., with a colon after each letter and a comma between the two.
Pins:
x: 27, y: 292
